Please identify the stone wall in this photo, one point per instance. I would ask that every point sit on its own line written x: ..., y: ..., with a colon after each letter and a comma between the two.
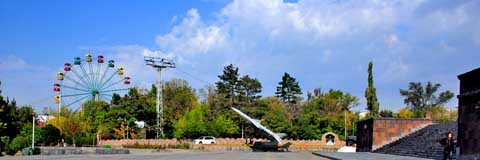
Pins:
x: 469, y: 115
x: 375, y: 133
x: 229, y: 141
x: 226, y: 144
x: 77, y: 150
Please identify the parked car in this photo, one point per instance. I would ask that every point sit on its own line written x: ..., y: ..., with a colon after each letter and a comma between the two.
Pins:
x: 205, y: 140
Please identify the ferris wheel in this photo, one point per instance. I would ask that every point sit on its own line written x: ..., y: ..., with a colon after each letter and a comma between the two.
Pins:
x: 86, y: 80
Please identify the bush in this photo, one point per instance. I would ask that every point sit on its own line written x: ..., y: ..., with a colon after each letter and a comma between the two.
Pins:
x: 17, y: 144
x: 50, y: 135
x: 85, y: 140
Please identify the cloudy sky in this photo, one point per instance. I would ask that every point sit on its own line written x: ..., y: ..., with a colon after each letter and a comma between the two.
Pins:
x: 323, y: 44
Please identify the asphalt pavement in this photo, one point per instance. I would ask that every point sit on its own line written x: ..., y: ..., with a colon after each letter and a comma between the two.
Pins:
x: 182, y: 156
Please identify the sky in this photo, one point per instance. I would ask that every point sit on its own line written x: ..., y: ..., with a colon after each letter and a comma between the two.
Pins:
x: 323, y: 44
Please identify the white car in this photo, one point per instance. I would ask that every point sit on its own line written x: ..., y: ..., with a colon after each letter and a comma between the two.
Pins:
x: 205, y: 140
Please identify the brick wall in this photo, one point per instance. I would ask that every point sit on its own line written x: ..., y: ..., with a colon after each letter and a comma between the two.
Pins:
x: 307, y: 144
x: 375, y: 133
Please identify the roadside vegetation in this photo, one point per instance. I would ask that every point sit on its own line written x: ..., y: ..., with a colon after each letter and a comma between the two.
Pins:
x: 190, y: 113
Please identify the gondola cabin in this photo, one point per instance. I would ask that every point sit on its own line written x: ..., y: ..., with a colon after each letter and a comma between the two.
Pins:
x: 100, y: 59
x: 56, y: 87
x: 77, y: 61
x: 111, y: 63
x: 127, y: 80
x: 60, y: 76
x: 120, y: 71
x: 67, y: 67
x: 56, y: 99
x: 88, y: 58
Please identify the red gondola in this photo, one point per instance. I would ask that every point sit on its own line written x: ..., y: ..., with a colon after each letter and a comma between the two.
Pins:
x: 100, y: 59
x: 68, y: 67
x: 126, y: 82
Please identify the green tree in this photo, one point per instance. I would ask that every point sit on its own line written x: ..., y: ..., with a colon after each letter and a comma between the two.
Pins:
x: 178, y: 97
x: 405, y: 113
x: 419, y: 100
x: 440, y: 114
x: 371, y: 94
x: 276, y: 116
x: 50, y: 135
x: 325, y: 113
x: 223, y: 127
x: 228, y: 83
x: 192, y: 124
x: 248, y: 89
x: 386, y: 113
x: 116, y: 98
x: 288, y: 89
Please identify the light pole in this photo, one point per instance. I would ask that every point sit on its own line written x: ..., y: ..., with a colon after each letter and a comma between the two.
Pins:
x: 159, y: 64
x: 33, y: 133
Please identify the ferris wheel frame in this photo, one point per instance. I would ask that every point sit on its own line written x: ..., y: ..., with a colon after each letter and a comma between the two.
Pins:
x: 83, y: 81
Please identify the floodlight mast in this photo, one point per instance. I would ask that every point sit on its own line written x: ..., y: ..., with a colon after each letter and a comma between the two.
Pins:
x: 158, y: 64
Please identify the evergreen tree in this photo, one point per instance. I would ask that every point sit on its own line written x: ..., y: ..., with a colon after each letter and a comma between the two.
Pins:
x: 248, y: 89
x: 288, y: 89
x: 371, y: 94
x: 228, y: 83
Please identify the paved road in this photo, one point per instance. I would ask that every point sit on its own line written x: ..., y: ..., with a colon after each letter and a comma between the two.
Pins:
x: 364, y: 156
x: 183, y: 156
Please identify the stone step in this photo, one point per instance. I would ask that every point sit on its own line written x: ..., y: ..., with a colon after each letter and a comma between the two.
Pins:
x: 422, y: 143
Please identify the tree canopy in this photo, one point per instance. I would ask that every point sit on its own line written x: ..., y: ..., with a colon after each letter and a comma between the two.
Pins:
x: 420, y: 99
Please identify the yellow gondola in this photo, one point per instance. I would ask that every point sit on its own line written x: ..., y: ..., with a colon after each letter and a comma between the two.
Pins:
x: 60, y: 76
x: 120, y: 71
x: 56, y: 100
x: 88, y: 58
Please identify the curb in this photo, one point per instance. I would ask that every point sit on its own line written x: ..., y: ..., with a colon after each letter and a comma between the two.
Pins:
x: 325, y: 156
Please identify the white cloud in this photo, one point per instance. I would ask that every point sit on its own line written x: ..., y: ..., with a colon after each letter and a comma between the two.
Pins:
x: 310, y: 39
x: 14, y: 63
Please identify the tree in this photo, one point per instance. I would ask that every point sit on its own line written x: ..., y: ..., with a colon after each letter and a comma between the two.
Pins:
x: 116, y: 99
x: 228, y: 83
x: 50, y: 135
x: 223, y: 127
x: 386, y: 113
x: 419, y: 100
x: 325, y: 113
x: 405, y: 113
x: 248, y: 89
x: 440, y: 114
x: 192, y: 124
x: 371, y: 94
x: 288, y: 89
x: 178, y: 97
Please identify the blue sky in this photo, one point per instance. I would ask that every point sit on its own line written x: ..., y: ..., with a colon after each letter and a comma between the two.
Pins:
x: 324, y: 44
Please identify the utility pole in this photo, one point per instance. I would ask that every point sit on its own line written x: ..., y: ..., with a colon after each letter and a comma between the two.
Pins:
x: 33, y: 133
x: 158, y: 64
